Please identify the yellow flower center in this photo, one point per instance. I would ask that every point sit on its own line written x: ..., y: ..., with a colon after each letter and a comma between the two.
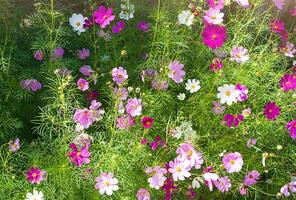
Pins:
x: 228, y: 93
x: 232, y: 161
x: 178, y: 169
x: 106, y: 183
x: 34, y: 175
x: 78, y: 24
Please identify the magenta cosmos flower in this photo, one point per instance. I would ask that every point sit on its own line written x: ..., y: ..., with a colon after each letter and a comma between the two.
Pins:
x: 119, y: 75
x: 78, y: 157
x: 216, y: 3
x: 134, y: 107
x: 291, y: 126
x: 277, y: 26
x: 147, y: 122
x: 143, y: 26
x: 82, y: 84
x: 233, y: 162
x: 168, y: 187
x: 125, y: 121
x: 243, y: 92
x: 118, y: 27
x: 216, y: 65
x: 186, y: 152
x: 223, y: 184
x: 233, y: 120
x: 288, y: 82
x: 38, y: 55
x: 176, y: 72
x: 143, y: 194
x: 157, y: 178
x: 214, y: 36
x: 251, y: 178
x: 14, y: 145
x: 83, y: 53
x: 106, y: 183
x: 35, y: 175
x: 157, y: 142
x: 58, y: 52
x: 103, y: 16
x: 31, y: 85
x: 271, y: 111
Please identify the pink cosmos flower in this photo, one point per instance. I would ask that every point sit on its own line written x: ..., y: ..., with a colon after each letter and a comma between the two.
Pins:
x: 251, y: 142
x: 288, y: 50
x: 159, y: 84
x: 214, y: 16
x: 216, y: 65
x: 35, y: 175
x: 119, y: 75
x: 216, y: 3
x: 179, y: 169
x: 103, y: 16
x: 118, y: 27
x: 243, y: 3
x: 251, y: 178
x: 277, y: 26
x: 210, y: 178
x: 271, y: 111
x: 289, y: 188
x: 288, y: 82
x: 223, y: 184
x: 121, y: 93
x: 82, y: 84
x: 176, y: 72
x: 284, y: 37
x: 78, y: 157
x: 143, y: 26
x: 233, y: 120
x: 191, y: 194
x: 243, y: 92
x: 83, y: 53
x: 157, y: 142
x: 279, y: 4
x: 186, y: 152
x: 157, y: 180
x: 86, y: 70
x: 239, y: 54
x: 125, y: 122
x: 38, y: 55
x: 134, y: 107
x: 84, y: 117
x: 106, y: 183
x: 293, y: 12
x: 58, y: 52
x: 291, y: 126
x: 168, y: 187
x: 214, y: 36
x: 31, y: 85
x: 14, y: 145
x: 143, y: 194
x: 147, y: 122
x: 148, y: 73
x: 243, y: 190
x: 233, y: 162
x: 218, y: 108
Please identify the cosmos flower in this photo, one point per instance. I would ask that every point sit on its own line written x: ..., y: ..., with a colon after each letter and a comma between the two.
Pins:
x: 291, y: 127
x: 82, y: 84
x: 277, y: 26
x: 125, y: 122
x: 251, y: 142
x: 78, y: 157
x: 214, y: 16
x: 157, y: 178
x: 35, y: 195
x: 233, y: 120
x: 31, y: 85
x: 103, y: 16
x: 243, y: 92
x: 14, y: 145
x: 83, y: 53
x: 38, y: 55
x: 216, y: 65
x: 119, y: 75
x: 239, y: 54
x: 181, y: 96
x: 246, y: 112
x: 243, y: 3
x: 289, y: 188
x: 219, y: 4
x: 186, y: 17
x: 179, y: 169
x: 106, y: 183
x: 82, y: 140
x: 223, y: 184
x: 214, y: 36
x: 243, y: 190
x: 279, y: 4
x: 58, y: 52
x: 147, y: 122
x: 233, y: 162
x: 134, y: 107
x: 288, y: 82
x: 86, y: 70
x: 143, y: 194
x: 121, y: 93
x: 176, y: 72
x: 186, y: 152
x: 251, y: 178
x: 192, y: 85
x: 228, y: 94
x: 288, y: 50
x: 159, y: 84
x: 157, y: 142
x: 35, y: 175
x: 271, y: 111
x: 77, y: 21
x: 210, y: 178
x: 143, y: 26
x: 218, y: 108
x: 118, y: 27
x: 168, y: 187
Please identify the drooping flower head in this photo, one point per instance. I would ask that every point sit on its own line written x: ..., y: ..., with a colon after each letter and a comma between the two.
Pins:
x: 271, y: 111
x: 214, y: 36
x: 35, y: 175
x: 143, y: 194
x: 239, y: 54
x: 288, y: 82
x: 147, y: 122
x: 251, y: 142
x: 78, y: 157
x: 291, y: 126
x: 83, y: 53
x: 176, y: 72
x: 14, y: 145
x: 31, y: 85
x: 118, y: 27
x: 38, y: 55
x: 103, y: 16
x: 134, y: 107
x: 119, y: 75
x: 233, y: 162
x: 251, y: 178
x: 216, y: 65
x: 106, y: 183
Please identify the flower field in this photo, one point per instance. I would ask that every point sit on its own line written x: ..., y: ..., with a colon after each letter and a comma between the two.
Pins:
x: 140, y: 100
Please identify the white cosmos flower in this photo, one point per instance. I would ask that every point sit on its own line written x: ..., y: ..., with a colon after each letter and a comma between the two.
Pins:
x: 228, y: 94
x: 210, y: 177
x: 186, y: 17
x: 35, y: 195
x: 181, y: 96
x: 127, y: 10
x: 195, y: 183
x: 179, y: 169
x: 192, y: 85
x: 77, y: 21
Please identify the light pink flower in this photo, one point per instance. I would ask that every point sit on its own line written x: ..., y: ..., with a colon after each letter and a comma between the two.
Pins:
x: 187, y: 152
x: 243, y: 3
x: 209, y: 179
x: 179, y: 169
x: 134, y: 107
x: 176, y: 72
x: 214, y: 16
x: 106, y: 183
x: 31, y: 85
x: 82, y: 84
x: 279, y: 4
x: 143, y: 194
x: 233, y: 162
x: 157, y: 180
x: 239, y: 54
x: 223, y: 184
x: 119, y: 75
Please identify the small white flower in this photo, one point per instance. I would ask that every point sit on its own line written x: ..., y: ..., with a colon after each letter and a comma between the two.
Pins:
x: 35, y: 195
x: 228, y: 94
x: 77, y: 21
x: 246, y: 112
x: 186, y: 17
x: 127, y: 10
x: 195, y: 183
x: 192, y: 85
x: 181, y: 96
x: 130, y: 89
